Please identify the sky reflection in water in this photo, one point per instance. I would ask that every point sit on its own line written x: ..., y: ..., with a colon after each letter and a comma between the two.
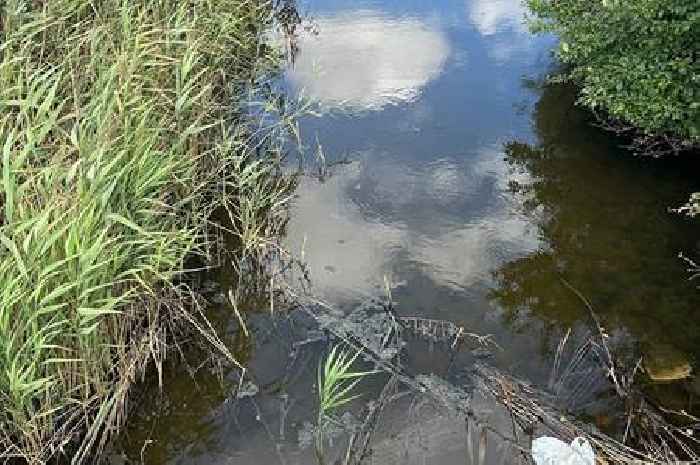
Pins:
x: 427, y: 198
x: 369, y: 60
x: 424, y: 193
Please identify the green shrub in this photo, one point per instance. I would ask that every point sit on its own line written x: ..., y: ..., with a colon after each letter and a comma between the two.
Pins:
x: 636, y: 60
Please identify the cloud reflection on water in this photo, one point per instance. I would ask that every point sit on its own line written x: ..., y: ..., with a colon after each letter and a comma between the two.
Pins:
x: 502, y: 26
x: 366, y: 60
x: 356, y: 230
x: 494, y: 16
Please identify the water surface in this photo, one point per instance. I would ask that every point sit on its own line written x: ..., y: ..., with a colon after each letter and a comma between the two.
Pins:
x: 475, y: 190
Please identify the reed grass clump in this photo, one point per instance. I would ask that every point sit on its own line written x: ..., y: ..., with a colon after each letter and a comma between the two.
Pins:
x: 121, y: 131
x: 335, y: 384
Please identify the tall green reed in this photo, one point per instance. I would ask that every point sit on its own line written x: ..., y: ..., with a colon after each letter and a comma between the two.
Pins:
x: 119, y: 136
x: 335, y: 383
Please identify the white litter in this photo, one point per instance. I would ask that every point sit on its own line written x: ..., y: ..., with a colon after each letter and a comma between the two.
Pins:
x: 552, y: 451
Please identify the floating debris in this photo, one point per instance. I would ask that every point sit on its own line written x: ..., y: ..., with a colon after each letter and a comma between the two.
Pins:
x: 372, y: 324
x: 248, y: 389
x: 453, y: 397
x: 664, y: 363
x: 435, y: 330
x: 547, y: 450
x: 312, y: 337
x: 375, y: 328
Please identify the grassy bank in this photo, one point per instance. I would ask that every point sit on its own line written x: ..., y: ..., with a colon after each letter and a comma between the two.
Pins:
x: 120, y: 134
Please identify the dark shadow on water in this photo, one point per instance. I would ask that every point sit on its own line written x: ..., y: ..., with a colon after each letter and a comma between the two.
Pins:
x: 604, y: 222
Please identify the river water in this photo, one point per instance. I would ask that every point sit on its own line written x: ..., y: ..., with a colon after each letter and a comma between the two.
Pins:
x: 455, y: 175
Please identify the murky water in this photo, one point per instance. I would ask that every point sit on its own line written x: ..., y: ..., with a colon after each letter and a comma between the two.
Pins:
x: 475, y: 190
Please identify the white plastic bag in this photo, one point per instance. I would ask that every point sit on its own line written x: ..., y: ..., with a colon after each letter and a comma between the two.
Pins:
x: 552, y: 451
